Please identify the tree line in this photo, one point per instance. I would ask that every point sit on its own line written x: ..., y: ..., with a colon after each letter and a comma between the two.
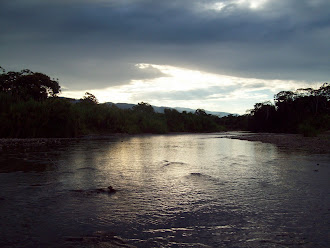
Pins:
x: 30, y: 107
x: 305, y: 111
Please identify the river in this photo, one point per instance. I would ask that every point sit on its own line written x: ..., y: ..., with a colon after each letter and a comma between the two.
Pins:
x: 185, y: 190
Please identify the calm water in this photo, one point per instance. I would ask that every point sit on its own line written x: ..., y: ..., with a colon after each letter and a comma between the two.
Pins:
x: 173, y: 191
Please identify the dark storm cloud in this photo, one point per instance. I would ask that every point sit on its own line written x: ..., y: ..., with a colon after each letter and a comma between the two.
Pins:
x: 282, y: 40
x: 98, y: 74
x: 161, y: 21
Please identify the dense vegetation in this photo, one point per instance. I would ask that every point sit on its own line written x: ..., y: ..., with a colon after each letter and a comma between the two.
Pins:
x: 305, y: 111
x: 29, y: 107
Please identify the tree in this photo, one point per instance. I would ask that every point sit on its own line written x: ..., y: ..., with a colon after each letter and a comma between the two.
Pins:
x: 144, y: 107
x: 262, y: 116
x: 27, y: 84
x: 284, y: 97
x: 89, y: 98
x: 324, y: 91
x: 323, y: 98
x: 174, y: 120
x: 200, y: 112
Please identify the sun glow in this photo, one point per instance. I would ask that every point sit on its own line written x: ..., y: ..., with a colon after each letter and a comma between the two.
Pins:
x: 181, y: 87
x: 252, y: 4
x: 217, y: 6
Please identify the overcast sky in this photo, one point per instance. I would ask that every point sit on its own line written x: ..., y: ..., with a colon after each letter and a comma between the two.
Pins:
x: 222, y: 55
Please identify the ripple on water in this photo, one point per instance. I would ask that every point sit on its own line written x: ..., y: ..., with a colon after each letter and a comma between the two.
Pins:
x: 207, y: 193
x: 201, y: 177
x: 165, y: 163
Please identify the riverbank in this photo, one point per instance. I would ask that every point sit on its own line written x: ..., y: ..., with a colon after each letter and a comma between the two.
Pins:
x: 32, y: 143
x: 319, y: 144
x: 39, y: 143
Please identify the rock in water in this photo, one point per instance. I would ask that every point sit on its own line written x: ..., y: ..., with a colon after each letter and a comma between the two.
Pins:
x: 112, y: 190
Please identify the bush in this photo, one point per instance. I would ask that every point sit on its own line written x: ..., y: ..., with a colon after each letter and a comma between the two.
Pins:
x: 308, y: 130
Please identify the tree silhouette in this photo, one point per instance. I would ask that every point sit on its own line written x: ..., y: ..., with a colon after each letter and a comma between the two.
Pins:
x: 89, y: 98
x: 27, y: 84
x: 200, y: 112
x: 144, y: 107
x: 305, y: 110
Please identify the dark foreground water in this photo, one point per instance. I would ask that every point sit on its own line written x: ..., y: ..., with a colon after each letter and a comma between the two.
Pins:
x: 173, y: 191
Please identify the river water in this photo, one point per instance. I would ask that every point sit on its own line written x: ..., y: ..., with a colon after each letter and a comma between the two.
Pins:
x: 189, y: 190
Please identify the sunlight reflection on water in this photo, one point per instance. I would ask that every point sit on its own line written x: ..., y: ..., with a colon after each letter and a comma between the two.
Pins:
x: 172, y: 191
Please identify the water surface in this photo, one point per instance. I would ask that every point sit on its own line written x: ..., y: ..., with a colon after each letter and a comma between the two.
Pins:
x: 196, y: 190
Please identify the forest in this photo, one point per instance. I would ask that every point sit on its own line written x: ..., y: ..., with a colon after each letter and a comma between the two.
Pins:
x: 305, y: 111
x: 30, y: 108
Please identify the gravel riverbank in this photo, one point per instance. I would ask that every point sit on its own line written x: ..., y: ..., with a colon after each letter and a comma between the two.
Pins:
x: 319, y: 144
x: 26, y: 144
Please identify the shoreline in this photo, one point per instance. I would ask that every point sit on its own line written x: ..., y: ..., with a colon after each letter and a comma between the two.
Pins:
x: 16, y: 143
x: 297, y: 142
x: 319, y: 144
x: 10, y: 144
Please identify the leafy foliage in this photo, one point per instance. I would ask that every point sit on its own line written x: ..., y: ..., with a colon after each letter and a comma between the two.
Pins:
x: 26, y: 84
x: 29, y: 108
x: 89, y: 99
x: 305, y: 111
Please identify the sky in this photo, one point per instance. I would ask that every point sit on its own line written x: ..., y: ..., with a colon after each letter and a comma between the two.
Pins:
x: 218, y: 55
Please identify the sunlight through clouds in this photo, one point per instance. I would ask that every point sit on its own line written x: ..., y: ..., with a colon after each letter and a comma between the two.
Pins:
x: 171, y: 53
x: 216, y: 6
x: 194, y: 89
x: 251, y: 4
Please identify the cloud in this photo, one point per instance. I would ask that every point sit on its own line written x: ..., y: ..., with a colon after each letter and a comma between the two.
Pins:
x: 98, y: 74
x: 283, y: 39
x: 97, y: 44
x: 195, y: 94
x: 195, y: 89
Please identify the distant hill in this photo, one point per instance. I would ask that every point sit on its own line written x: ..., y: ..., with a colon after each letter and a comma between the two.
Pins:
x: 73, y: 100
x: 161, y: 109
x: 158, y: 109
x: 220, y: 114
